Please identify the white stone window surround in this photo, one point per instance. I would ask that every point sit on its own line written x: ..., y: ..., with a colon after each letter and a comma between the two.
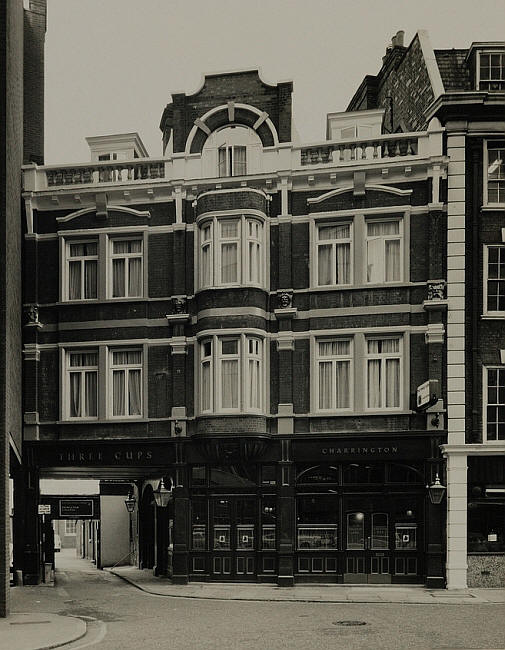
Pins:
x: 358, y: 222
x: 493, y: 144
x: 487, y: 312
x: 359, y: 371
x: 335, y: 361
x: 485, y: 395
x: 103, y: 239
x: 214, y: 350
x: 234, y: 150
x: 125, y: 368
x: 81, y: 366
x: 104, y: 380
x: 250, y: 240
x: 133, y: 287
x: 483, y: 57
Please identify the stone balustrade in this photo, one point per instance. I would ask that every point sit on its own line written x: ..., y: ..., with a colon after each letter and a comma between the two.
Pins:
x: 389, y: 146
x: 105, y: 172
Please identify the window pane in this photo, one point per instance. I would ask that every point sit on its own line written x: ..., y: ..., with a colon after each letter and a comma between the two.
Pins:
x: 229, y: 229
x: 134, y: 392
x: 229, y: 383
x: 325, y: 264
x: 229, y: 262
x: 334, y: 348
x: 74, y: 280
x: 222, y: 161
x: 392, y: 383
x: 75, y: 394
x: 342, y: 384
x: 379, y: 228
x: 90, y: 395
x: 135, y: 277
x: 375, y: 260
x: 118, y: 278
x: 254, y: 384
x: 343, y: 263
x: 239, y: 167
x: 325, y: 385
x: 374, y: 383
x: 206, y: 386
x: 335, y: 232
x: 355, y: 530
x: 206, y: 266
x: 229, y: 346
x: 118, y: 392
x: 393, y: 271
x: 83, y: 359
x: 90, y: 279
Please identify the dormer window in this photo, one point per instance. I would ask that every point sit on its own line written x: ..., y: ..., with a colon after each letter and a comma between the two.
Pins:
x: 491, y: 71
x: 107, y: 156
x: 232, y: 160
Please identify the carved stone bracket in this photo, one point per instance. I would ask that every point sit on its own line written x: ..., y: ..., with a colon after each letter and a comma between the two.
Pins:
x: 32, y: 317
x: 436, y: 295
x: 285, y: 302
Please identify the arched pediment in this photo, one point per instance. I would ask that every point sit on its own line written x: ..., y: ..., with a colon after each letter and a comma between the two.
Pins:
x: 143, y: 214
x: 387, y: 189
x: 231, y: 114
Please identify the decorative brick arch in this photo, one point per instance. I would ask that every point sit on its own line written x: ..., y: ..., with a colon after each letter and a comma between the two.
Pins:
x: 227, y: 115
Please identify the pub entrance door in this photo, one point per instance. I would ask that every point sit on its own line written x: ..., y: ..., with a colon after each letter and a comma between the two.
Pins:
x: 367, y: 541
x: 233, y: 537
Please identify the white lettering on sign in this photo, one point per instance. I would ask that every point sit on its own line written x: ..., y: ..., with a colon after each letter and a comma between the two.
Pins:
x: 44, y: 509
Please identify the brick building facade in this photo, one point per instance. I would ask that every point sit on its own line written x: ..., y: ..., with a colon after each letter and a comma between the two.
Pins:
x: 466, y: 94
x: 248, y: 319
x: 19, y: 28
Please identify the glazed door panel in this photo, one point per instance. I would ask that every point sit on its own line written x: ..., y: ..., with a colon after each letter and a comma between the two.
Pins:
x: 234, y: 528
x: 367, y: 547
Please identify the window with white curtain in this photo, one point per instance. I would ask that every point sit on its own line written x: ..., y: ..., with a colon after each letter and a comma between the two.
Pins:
x: 232, y: 160
x: 334, y: 265
x: 384, y: 251
x: 231, y: 251
x: 70, y: 525
x: 334, y: 374
x: 126, y: 267
x: 494, y: 170
x: 491, y: 70
x: 82, y: 265
x: 231, y: 374
x: 126, y: 382
x: 383, y: 368
x: 82, y: 389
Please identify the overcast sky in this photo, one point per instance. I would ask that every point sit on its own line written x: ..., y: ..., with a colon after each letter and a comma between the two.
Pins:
x: 111, y: 65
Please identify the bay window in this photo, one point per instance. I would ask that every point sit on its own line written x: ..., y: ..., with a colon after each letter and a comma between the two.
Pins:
x: 126, y: 271
x: 494, y: 169
x: 334, y: 254
x: 494, y: 404
x: 334, y: 374
x: 82, y: 389
x: 384, y: 251
x: 231, y: 252
x: 126, y: 382
x: 82, y: 263
x: 231, y: 374
x: 383, y: 368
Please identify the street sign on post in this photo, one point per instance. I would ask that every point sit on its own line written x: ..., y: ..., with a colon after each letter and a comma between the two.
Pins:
x: 44, y: 509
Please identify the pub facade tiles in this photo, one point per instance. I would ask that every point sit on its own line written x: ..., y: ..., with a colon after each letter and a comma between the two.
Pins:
x: 247, y: 318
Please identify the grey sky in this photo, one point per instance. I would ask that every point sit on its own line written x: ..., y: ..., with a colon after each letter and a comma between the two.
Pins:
x: 112, y: 64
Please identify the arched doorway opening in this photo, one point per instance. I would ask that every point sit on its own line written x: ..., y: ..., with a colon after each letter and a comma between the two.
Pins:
x: 147, y: 529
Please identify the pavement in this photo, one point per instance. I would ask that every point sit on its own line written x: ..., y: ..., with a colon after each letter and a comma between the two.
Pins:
x: 309, y: 593
x: 29, y: 628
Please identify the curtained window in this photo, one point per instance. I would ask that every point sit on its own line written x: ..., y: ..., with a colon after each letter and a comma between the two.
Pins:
x: 495, y: 172
x: 334, y: 254
x: 231, y: 374
x: 82, y: 371
x: 384, y: 251
x: 126, y: 385
x: 491, y: 70
x: 231, y: 251
x: 82, y: 261
x: 126, y: 259
x: 232, y: 160
x: 383, y: 373
x: 334, y: 374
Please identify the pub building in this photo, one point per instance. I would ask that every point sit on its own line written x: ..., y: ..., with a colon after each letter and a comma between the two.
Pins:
x: 238, y: 329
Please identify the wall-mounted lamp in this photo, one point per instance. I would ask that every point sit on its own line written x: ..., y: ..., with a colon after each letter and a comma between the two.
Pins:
x: 436, y: 491
x: 162, y: 495
x: 130, y: 501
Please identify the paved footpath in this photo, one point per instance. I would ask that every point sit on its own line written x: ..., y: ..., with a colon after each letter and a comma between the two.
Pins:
x: 334, y: 593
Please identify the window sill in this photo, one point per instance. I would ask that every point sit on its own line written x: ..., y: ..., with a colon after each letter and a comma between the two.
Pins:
x: 499, y: 315
x: 351, y: 413
x: 98, y: 301
x: 360, y: 287
x: 119, y: 420
x: 235, y: 285
x: 493, y: 207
